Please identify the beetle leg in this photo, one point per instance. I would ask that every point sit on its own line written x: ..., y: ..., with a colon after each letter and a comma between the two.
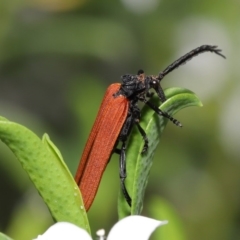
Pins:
x: 122, y: 152
x: 122, y: 173
x: 136, y: 116
x: 161, y: 113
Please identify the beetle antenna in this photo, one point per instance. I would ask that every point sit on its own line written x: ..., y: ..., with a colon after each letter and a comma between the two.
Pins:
x: 182, y: 60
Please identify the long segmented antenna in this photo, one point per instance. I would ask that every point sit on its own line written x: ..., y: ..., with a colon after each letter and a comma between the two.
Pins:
x: 189, y: 56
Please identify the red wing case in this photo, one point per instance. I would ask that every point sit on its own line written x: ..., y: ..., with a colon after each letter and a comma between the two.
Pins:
x: 101, y: 142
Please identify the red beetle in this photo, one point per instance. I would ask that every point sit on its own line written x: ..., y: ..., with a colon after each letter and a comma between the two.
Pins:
x: 117, y: 114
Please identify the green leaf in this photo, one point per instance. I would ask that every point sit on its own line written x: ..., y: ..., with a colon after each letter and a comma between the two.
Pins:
x: 45, y: 166
x: 4, y: 237
x: 139, y: 165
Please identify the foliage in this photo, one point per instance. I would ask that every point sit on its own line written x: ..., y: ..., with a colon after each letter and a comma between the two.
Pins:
x: 47, y: 170
x: 58, y: 57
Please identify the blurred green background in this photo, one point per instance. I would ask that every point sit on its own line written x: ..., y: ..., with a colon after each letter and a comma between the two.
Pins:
x: 57, y: 57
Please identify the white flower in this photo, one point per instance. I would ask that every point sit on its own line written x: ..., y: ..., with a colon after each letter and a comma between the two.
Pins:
x: 132, y: 227
x: 64, y: 231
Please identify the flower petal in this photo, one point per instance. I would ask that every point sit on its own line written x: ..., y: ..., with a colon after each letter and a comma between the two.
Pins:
x: 134, y: 227
x: 63, y: 231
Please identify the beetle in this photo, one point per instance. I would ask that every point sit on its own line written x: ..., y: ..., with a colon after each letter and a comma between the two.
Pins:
x: 118, y: 113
